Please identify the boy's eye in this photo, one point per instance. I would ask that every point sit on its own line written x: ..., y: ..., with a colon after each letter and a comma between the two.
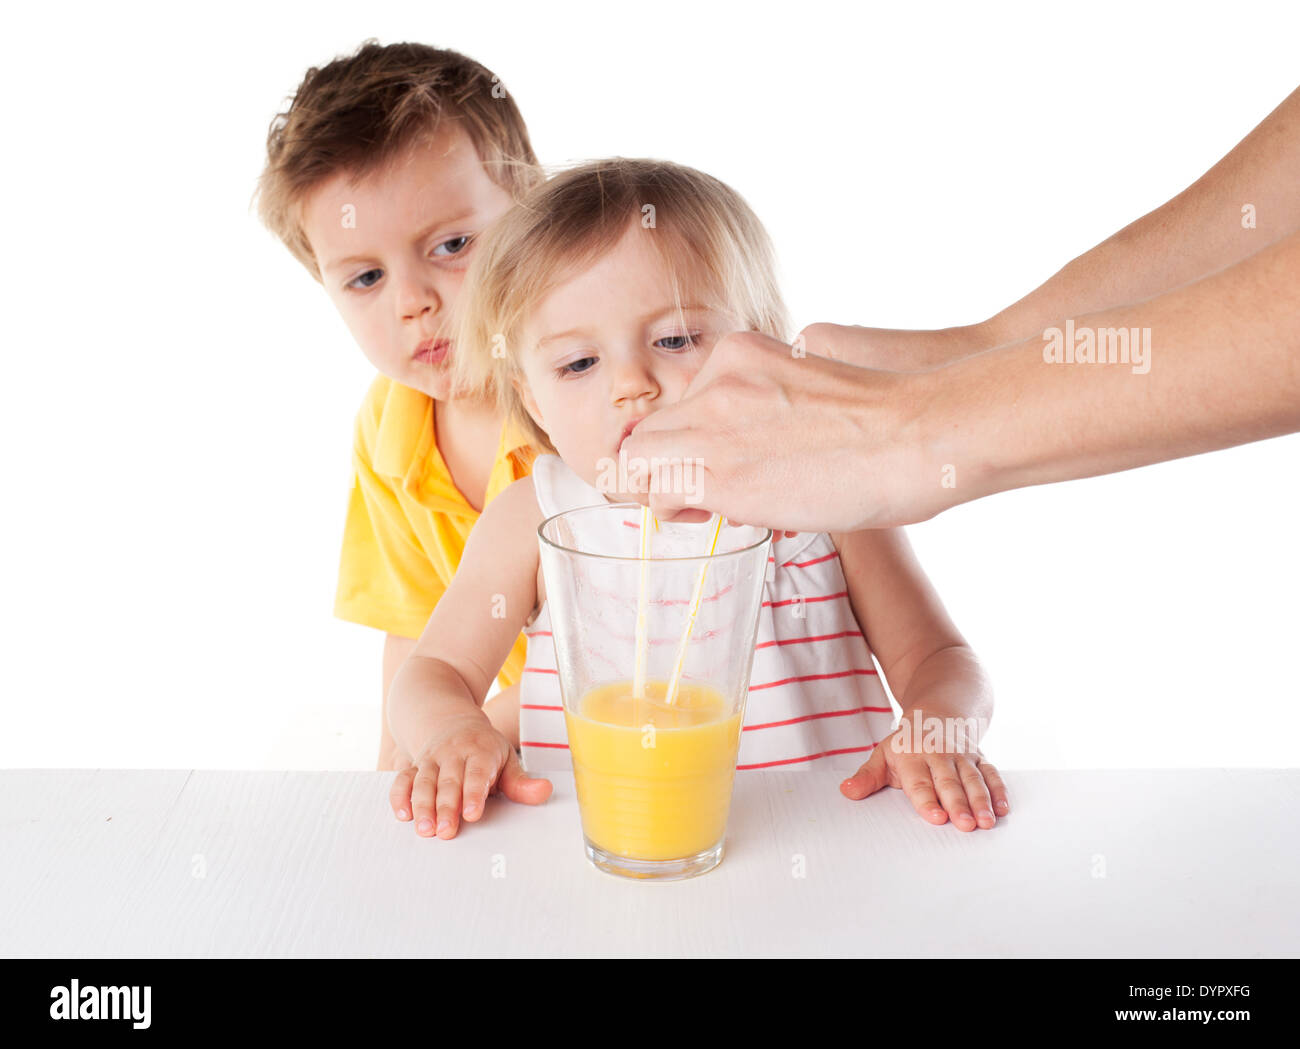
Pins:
x: 366, y: 280
x: 576, y: 367
x: 679, y: 342
x: 454, y: 246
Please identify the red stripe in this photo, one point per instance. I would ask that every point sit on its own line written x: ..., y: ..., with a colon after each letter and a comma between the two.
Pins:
x: 805, y: 564
x: 809, y: 677
x: 814, y: 561
x: 530, y: 743
x: 539, y: 670
x: 805, y: 640
x: 537, y: 633
x: 805, y: 600
x: 537, y: 706
x: 827, y: 714
x: 810, y: 757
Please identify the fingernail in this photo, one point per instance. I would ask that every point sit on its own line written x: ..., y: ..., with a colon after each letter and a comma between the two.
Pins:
x: 425, y: 826
x: 444, y: 825
x: 1002, y: 804
x: 985, y: 814
x: 401, y: 814
x: 471, y: 808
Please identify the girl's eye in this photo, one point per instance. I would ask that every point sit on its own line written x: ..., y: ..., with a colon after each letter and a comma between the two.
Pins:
x: 454, y: 246
x: 366, y: 280
x: 576, y: 367
x: 679, y: 342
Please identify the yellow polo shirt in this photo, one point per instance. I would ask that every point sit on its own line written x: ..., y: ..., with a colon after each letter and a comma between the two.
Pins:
x: 407, y: 522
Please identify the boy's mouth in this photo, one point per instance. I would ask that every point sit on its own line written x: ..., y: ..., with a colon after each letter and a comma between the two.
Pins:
x: 432, y: 351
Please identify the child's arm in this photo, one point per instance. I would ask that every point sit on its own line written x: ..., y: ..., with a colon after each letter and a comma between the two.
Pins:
x: 396, y: 649
x: 435, y: 702
x: 933, y: 674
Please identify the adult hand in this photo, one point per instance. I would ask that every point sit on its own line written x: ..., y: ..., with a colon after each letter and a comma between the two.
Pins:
x: 791, y: 439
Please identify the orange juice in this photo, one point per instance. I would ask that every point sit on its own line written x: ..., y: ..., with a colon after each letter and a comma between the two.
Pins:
x: 653, y: 780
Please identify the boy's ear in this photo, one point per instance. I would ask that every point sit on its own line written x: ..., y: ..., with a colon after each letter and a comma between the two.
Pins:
x: 530, y: 405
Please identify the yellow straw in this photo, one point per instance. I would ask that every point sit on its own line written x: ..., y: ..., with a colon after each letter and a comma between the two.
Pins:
x: 638, y: 679
x: 671, y: 698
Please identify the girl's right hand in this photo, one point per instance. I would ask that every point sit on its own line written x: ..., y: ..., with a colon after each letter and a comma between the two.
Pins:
x: 466, y: 760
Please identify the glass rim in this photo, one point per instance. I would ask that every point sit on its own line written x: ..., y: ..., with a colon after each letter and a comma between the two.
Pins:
x: 767, y: 535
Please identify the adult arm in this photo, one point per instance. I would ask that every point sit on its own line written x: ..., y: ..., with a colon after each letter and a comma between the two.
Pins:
x: 1246, y: 202
x: 803, y: 442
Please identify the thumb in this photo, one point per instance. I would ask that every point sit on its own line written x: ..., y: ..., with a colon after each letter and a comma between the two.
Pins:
x: 517, y: 785
x: 670, y: 509
x: 870, y: 778
x: 836, y: 342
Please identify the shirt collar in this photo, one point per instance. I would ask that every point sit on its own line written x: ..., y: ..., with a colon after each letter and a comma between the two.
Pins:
x: 406, y: 449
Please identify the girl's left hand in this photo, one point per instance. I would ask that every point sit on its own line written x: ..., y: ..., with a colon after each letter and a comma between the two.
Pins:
x: 968, y: 788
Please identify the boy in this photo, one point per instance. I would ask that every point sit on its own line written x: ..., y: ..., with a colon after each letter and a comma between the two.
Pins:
x: 379, y: 176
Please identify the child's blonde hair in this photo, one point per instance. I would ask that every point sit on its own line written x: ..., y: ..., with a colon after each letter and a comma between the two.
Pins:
x: 716, y: 251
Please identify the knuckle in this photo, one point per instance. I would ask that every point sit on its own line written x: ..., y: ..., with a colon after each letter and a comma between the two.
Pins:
x: 478, y: 771
x: 723, y: 398
x: 732, y: 342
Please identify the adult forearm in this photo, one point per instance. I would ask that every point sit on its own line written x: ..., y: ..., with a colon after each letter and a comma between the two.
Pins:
x: 1211, y: 364
x: 1247, y: 201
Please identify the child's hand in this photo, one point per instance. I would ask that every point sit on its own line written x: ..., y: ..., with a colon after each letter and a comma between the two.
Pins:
x: 962, y: 779
x: 466, y: 759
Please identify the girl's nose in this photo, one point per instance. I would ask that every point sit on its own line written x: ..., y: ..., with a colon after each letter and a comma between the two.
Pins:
x: 634, y: 379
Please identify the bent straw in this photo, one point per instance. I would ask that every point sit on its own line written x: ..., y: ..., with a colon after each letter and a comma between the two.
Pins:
x: 638, y: 677
x: 671, y: 698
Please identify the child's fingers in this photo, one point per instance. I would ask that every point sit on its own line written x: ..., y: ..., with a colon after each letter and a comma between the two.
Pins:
x: 480, y: 772
x: 871, y: 777
x: 423, y: 794
x: 918, y: 784
x: 399, y: 795
x: 517, y: 785
x: 451, y: 774
x: 998, y: 789
x: 976, y: 792
x: 951, y: 790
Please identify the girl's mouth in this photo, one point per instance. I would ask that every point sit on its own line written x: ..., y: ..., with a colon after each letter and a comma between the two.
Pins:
x: 627, y: 432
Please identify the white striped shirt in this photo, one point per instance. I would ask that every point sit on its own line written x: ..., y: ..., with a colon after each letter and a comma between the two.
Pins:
x: 815, y: 698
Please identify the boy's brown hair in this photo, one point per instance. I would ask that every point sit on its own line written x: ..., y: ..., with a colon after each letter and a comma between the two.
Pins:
x: 357, y: 112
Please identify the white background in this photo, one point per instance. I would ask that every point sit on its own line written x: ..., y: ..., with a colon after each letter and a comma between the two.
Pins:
x: 177, y: 395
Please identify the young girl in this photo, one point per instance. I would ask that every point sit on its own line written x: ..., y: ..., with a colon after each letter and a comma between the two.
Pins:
x: 591, y: 305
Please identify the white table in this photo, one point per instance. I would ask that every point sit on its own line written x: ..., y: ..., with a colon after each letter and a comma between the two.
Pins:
x: 126, y: 863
